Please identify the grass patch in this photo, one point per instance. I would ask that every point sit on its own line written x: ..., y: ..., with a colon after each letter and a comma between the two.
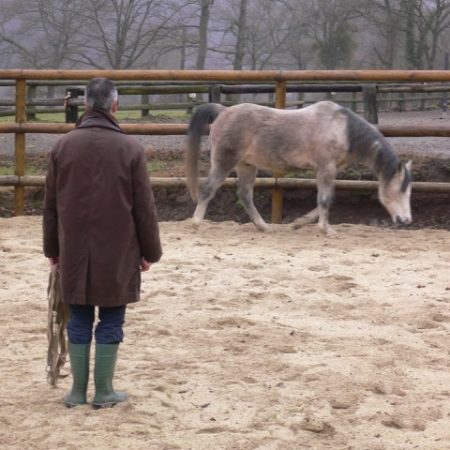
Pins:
x: 6, y: 169
x: 41, y: 117
x: 136, y: 115
x: 30, y: 169
x: 157, y: 166
x: 301, y: 173
x: 122, y: 116
x: 34, y: 165
x: 8, y: 119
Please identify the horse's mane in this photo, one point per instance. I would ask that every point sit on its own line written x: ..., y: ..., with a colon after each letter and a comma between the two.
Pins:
x: 367, y: 144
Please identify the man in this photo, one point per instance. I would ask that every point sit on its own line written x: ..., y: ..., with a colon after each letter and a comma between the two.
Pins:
x: 100, y: 230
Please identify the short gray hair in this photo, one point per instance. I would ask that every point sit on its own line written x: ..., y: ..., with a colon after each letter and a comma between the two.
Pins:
x: 101, y: 94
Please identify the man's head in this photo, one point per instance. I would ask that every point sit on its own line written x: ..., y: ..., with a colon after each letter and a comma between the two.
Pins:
x: 101, y: 94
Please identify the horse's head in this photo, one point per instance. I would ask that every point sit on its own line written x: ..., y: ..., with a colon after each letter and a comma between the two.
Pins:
x: 395, y: 194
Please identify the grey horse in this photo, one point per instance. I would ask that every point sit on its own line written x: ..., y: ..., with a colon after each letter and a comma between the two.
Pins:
x: 324, y: 136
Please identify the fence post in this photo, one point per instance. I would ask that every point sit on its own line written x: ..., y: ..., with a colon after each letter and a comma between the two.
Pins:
x: 301, y: 100
x: 277, y: 192
x: 370, y: 103
x: 193, y: 103
x: 145, y: 101
x: 401, y: 102
x: 31, y: 114
x: 71, y: 109
x: 354, y: 101
x: 19, y: 146
x: 214, y: 93
x: 444, y: 100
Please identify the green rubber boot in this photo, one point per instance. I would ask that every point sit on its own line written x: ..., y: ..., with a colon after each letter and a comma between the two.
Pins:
x: 105, y: 363
x: 79, y: 365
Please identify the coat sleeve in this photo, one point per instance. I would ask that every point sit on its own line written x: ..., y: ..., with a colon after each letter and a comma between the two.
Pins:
x: 144, y: 211
x: 50, y: 215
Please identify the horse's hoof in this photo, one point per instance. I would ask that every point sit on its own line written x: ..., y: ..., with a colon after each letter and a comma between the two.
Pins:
x: 194, y: 223
x: 298, y: 224
x: 329, y: 232
x: 262, y: 228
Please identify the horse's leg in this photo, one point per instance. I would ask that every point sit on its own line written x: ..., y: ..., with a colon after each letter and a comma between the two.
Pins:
x: 306, y: 219
x: 325, y: 192
x: 222, y: 162
x: 207, y: 193
x: 246, y: 180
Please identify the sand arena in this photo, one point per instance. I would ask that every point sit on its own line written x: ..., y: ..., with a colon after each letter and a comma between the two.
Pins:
x: 243, y: 340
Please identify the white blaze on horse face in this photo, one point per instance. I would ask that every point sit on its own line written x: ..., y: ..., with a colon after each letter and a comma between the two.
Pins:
x: 396, y: 201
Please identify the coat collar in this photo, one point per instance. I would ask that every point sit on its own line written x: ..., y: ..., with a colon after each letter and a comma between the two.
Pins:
x: 98, y: 118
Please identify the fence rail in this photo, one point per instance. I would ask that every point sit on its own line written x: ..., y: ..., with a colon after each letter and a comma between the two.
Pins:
x: 181, y: 129
x: 435, y: 94
x: 279, y: 79
x: 394, y: 76
x: 263, y: 183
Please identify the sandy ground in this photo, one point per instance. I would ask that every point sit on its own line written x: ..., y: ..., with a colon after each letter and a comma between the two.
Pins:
x: 277, y: 341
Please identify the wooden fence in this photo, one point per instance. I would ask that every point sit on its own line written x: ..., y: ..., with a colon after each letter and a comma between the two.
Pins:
x: 279, y: 79
x: 384, y: 97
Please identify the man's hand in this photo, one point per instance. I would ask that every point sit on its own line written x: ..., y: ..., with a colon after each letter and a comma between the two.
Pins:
x: 54, y: 263
x: 145, y: 265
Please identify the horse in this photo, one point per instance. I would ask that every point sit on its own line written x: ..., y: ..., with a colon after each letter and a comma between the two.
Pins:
x: 323, y: 136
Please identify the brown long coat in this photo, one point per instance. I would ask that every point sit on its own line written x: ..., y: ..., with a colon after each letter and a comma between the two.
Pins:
x: 99, y: 213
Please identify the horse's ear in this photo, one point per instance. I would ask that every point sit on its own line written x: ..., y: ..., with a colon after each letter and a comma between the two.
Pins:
x: 408, y: 165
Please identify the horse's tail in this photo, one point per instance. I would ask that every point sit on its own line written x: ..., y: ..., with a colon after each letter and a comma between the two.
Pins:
x: 203, y: 116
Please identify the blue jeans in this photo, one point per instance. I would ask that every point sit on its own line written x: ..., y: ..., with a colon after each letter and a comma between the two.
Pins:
x: 109, y: 329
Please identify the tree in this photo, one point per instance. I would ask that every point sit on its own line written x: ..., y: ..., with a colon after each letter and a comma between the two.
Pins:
x: 270, y: 33
x: 126, y: 34
x: 53, y: 25
x: 241, y: 35
x: 299, y: 45
x: 384, y: 16
x: 434, y: 19
x: 332, y: 27
x: 230, y: 31
x: 425, y: 22
x: 413, y: 46
x: 205, y: 9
